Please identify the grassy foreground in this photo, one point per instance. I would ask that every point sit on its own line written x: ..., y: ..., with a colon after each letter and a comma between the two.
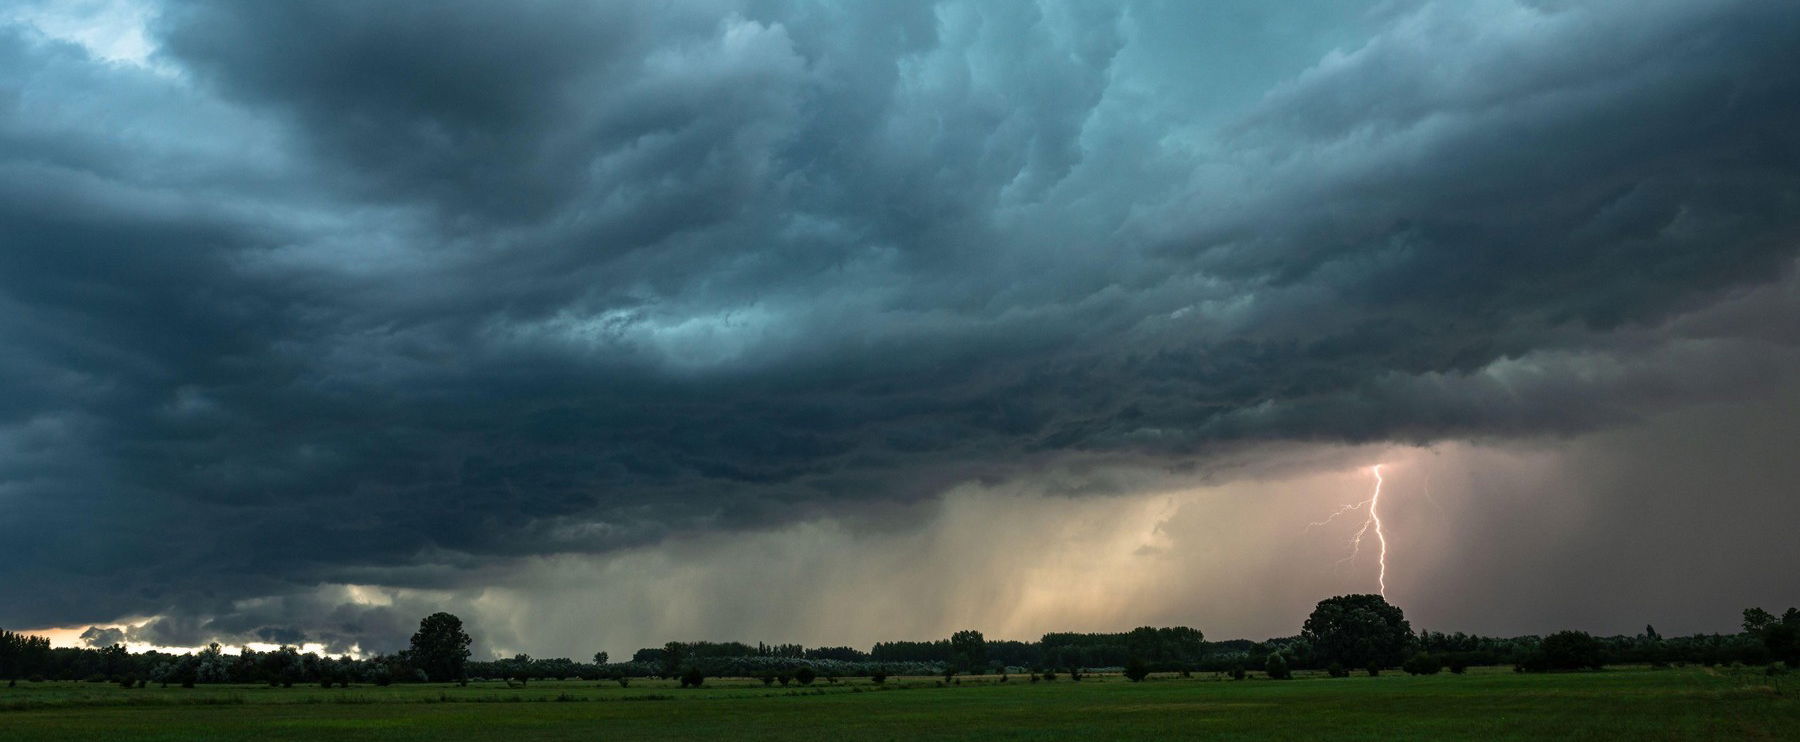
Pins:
x: 1490, y: 703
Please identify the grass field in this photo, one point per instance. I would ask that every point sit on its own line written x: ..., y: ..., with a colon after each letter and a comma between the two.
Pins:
x: 1487, y: 703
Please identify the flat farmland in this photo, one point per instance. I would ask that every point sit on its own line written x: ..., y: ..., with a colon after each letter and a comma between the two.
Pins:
x: 1485, y: 704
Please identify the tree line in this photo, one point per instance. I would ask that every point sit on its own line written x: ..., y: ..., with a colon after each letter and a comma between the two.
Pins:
x: 1344, y: 634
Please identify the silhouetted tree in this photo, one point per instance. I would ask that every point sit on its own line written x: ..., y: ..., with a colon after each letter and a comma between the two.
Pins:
x: 1571, y: 650
x: 1136, y: 670
x: 440, y: 647
x: 1277, y: 667
x: 968, y: 651
x: 1358, y: 630
x: 1780, y: 635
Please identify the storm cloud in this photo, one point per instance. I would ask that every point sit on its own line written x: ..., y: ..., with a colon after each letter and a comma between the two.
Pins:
x: 327, y: 294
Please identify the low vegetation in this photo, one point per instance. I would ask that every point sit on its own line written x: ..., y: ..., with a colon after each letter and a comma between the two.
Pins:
x: 1703, y: 686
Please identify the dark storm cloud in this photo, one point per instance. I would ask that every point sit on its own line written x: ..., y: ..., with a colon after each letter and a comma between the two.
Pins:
x: 383, y: 294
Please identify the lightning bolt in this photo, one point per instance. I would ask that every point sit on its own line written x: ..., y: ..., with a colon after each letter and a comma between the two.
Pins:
x: 1372, y: 522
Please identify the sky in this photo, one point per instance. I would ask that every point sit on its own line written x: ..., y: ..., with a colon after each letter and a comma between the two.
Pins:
x: 605, y: 324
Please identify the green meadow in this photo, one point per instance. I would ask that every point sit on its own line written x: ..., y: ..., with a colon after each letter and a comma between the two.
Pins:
x: 1485, y: 704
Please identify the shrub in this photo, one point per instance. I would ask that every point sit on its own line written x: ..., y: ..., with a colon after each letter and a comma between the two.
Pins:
x: 1136, y: 670
x: 1374, y: 670
x: 1050, y: 675
x: 1337, y: 670
x: 94, y: 678
x: 1572, y: 650
x: 1277, y: 667
x: 1422, y: 664
x: 1457, y: 663
x: 878, y: 678
x: 805, y: 675
x: 128, y: 682
x: 693, y: 678
x: 1237, y: 672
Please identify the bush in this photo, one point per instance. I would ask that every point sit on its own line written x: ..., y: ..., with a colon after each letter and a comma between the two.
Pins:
x: 1136, y: 670
x: 878, y: 678
x: 1457, y: 663
x: 94, y: 678
x: 1374, y: 670
x: 1531, y: 662
x: 1277, y: 667
x: 1422, y: 664
x: 1572, y: 650
x: 1049, y: 675
x: 1337, y: 670
x: 693, y: 678
x: 805, y: 675
x: 1237, y: 672
x: 128, y: 682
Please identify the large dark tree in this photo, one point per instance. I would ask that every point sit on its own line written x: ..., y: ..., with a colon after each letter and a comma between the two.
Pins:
x: 22, y: 655
x: 1780, y: 635
x: 1358, y: 631
x: 441, y: 647
x: 1572, y: 650
x: 968, y: 651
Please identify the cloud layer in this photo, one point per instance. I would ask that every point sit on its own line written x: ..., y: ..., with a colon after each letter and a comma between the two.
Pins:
x: 390, y: 295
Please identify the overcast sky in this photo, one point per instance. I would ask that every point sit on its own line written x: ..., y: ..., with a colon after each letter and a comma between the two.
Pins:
x: 608, y: 323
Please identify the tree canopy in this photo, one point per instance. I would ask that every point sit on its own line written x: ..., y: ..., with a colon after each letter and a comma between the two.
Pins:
x: 1358, y: 631
x: 440, y: 647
